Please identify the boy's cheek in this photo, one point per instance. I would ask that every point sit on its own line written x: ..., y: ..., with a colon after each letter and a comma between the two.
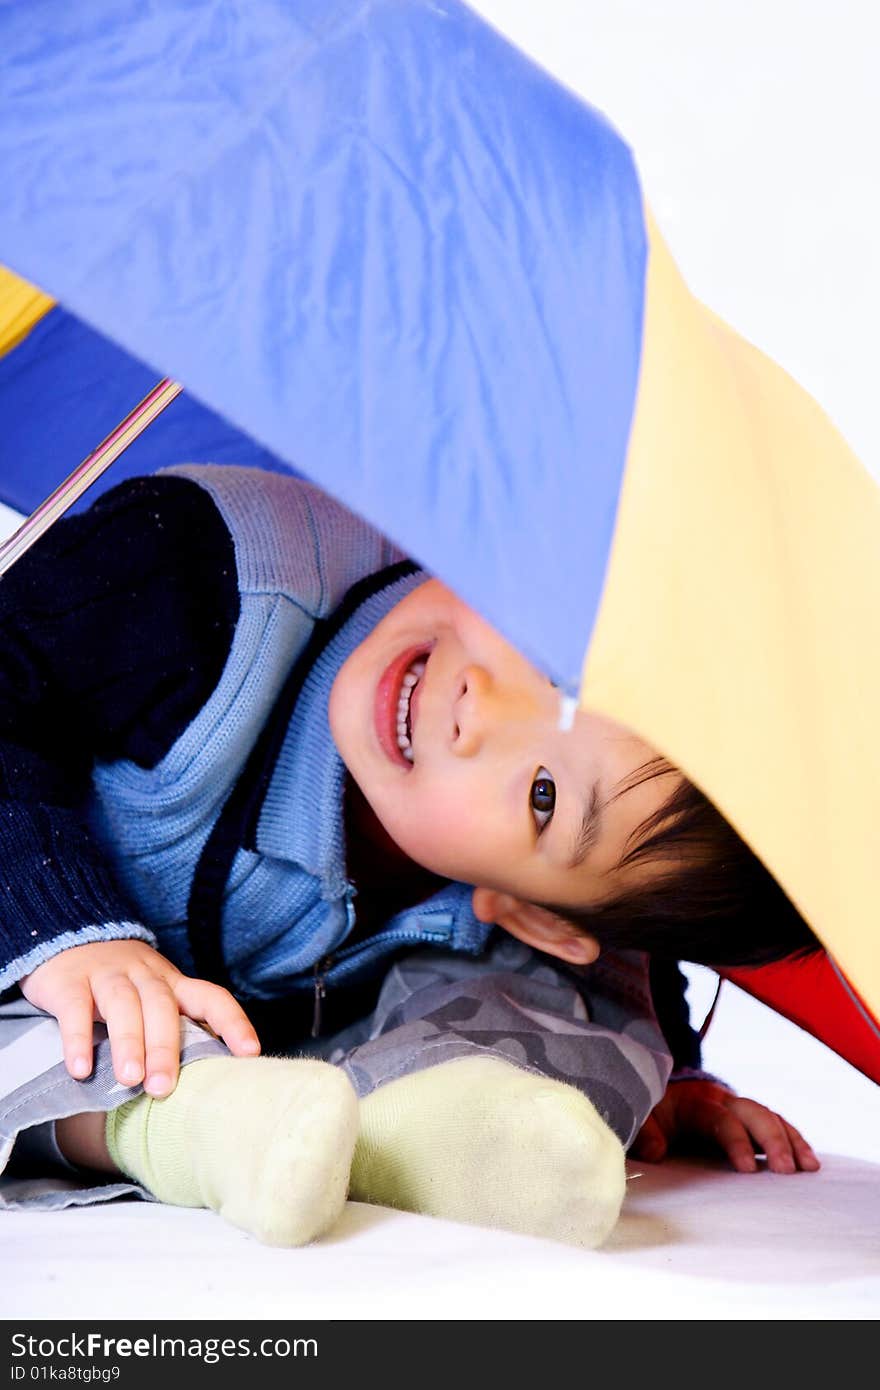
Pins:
x: 414, y: 834
x: 442, y: 837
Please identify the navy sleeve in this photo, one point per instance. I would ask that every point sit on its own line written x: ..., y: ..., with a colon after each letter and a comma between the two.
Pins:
x: 114, y: 629
x: 668, y: 991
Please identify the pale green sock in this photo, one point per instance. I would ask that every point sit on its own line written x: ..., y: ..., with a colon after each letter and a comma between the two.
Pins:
x: 482, y: 1141
x: 266, y: 1142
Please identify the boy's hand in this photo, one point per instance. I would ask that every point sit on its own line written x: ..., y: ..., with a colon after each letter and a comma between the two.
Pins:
x: 140, y: 996
x: 694, y: 1116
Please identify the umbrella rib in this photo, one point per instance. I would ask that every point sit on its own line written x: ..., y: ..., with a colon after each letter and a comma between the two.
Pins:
x: 88, y: 472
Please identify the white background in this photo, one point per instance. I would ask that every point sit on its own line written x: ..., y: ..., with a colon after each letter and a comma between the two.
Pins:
x: 753, y: 123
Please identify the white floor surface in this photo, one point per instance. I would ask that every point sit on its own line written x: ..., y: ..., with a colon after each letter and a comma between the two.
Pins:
x: 694, y: 1242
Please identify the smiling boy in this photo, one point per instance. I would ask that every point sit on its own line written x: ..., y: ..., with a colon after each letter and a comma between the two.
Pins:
x: 245, y: 744
x: 453, y: 738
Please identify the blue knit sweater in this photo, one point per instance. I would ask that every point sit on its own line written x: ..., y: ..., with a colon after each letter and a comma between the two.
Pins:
x: 121, y: 864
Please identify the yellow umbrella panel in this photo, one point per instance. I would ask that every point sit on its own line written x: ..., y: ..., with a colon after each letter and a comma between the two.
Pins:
x: 738, y: 629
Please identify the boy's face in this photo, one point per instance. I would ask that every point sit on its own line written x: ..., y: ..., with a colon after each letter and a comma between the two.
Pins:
x: 486, y: 789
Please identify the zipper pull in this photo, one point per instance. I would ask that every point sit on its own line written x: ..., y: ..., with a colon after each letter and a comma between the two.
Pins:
x: 320, y: 996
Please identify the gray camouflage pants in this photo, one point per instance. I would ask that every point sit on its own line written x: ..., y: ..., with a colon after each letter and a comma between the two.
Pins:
x: 594, y: 1029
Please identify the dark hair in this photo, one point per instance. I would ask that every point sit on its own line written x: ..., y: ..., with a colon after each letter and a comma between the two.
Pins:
x: 716, y: 904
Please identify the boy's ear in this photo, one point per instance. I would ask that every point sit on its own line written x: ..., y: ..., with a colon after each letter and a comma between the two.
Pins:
x: 535, y: 926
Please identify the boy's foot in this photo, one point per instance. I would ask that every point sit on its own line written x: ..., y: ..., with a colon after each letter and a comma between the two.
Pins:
x: 264, y: 1141
x: 482, y: 1141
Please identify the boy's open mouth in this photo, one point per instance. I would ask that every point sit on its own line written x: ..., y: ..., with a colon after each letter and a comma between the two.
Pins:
x: 396, y: 706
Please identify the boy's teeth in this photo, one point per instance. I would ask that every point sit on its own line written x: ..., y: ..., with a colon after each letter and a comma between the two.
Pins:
x: 410, y: 681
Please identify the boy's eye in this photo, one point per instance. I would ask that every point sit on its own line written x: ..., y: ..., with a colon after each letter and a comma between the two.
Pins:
x: 542, y: 798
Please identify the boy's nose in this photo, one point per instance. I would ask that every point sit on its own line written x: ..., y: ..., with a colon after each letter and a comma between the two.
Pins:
x: 471, y: 711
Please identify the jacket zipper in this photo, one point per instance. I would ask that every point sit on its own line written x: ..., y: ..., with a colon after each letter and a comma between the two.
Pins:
x: 321, y: 968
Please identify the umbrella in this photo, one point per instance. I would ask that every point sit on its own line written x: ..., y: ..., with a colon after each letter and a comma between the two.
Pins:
x: 397, y: 256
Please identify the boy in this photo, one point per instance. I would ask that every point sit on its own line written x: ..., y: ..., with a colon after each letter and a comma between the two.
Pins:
x: 176, y: 662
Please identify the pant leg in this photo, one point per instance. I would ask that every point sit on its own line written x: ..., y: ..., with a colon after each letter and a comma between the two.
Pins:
x: 595, y: 1029
x: 36, y: 1088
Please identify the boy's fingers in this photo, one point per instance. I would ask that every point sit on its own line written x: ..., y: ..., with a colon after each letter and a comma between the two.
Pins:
x: 220, y: 1011
x: 804, y: 1155
x: 768, y: 1134
x: 161, y: 1018
x: 75, y: 1015
x: 713, y: 1120
x: 119, y: 1005
x: 732, y: 1135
